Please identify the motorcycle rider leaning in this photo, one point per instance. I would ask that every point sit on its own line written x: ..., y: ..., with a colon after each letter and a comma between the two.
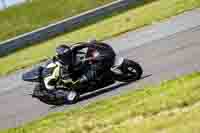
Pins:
x: 89, y: 60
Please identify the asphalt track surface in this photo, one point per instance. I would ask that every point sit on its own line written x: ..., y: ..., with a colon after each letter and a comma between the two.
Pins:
x: 165, y: 50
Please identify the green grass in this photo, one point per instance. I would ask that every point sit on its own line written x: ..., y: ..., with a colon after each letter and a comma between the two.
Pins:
x: 169, y: 107
x: 32, y: 15
x: 111, y: 26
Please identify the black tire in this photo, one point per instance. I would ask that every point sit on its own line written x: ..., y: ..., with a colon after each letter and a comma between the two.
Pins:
x: 48, y: 98
x: 72, y: 96
x: 58, y: 97
x: 130, y: 75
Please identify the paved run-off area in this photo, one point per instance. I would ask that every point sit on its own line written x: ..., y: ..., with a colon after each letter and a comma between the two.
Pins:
x: 165, y: 50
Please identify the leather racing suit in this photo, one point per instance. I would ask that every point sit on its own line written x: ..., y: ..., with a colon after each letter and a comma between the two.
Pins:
x: 98, y: 58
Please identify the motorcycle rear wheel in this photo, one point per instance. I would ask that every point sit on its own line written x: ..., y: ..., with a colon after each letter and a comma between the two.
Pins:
x: 57, y: 97
x: 72, y: 96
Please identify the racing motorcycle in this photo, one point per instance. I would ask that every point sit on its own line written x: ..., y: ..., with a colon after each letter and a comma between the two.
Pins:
x: 123, y: 70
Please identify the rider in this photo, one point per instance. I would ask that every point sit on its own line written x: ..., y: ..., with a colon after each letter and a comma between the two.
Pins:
x: 89, y: 60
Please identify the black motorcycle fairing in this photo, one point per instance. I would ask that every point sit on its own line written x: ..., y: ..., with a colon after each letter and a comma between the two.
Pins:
x: 33, y: 75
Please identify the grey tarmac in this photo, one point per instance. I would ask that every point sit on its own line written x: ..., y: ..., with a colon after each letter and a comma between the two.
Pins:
x: 165, y: 50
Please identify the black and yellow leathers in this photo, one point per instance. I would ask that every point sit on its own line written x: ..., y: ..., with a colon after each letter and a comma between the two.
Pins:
x: 54, y: 74
x: 99, y: 57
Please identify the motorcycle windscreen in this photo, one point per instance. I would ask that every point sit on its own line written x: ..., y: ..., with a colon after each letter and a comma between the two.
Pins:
x: 33, y: 75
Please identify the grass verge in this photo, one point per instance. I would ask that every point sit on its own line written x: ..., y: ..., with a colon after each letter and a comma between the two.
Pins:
x: 29, y: 16
x: 111, y: 26
x: 170, y: 107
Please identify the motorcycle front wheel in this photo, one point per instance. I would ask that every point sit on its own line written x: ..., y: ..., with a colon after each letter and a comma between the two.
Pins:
x: 132, y: 71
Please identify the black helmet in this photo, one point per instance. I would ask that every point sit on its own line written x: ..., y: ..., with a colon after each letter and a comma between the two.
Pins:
x: 93, y: 41
x: 64, y: 54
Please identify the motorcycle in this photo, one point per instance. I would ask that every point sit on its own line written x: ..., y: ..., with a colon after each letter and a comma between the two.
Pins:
x: 123, y: 70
